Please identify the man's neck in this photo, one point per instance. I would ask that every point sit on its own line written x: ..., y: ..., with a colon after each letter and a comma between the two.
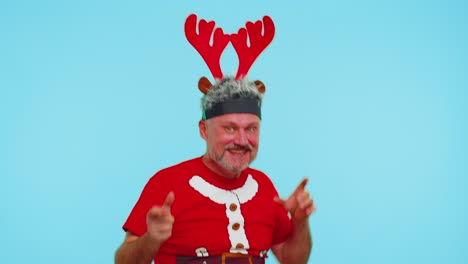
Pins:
x: 219, y: 170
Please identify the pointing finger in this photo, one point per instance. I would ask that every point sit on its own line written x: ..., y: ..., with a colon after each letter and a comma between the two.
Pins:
x: 302, y: 185
x: 165, y: 209
x: 169, y: 199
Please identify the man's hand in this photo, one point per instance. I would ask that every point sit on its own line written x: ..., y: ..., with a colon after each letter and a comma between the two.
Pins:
x: 159, y: 220
x: 299, y: 204
x: 142, y: 249
x: 296, y: 249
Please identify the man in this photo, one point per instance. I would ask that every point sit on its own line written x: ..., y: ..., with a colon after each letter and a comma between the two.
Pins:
x: 214, y: 208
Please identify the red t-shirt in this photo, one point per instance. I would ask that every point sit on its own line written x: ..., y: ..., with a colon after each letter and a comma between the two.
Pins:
x: 213, y: 214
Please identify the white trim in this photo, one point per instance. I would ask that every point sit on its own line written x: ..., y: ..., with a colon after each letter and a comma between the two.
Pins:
x: 237, y: 196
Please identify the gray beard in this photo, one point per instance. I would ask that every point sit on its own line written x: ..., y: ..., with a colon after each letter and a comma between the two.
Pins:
x: 226, y: 165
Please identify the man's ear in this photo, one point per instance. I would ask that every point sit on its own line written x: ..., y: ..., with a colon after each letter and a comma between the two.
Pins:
x: 202, y: 127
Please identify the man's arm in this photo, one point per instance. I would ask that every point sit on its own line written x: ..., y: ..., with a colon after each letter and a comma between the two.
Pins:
x: 142, y: 249
x: 296, y: 249
x: 137, y: 249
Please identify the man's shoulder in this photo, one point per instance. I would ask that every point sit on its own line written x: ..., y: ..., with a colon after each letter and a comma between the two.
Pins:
x: 186, y: 165
x: 258, y: 174
x: 255, y: 171
x: 263, y: 179
x: 182, y: 169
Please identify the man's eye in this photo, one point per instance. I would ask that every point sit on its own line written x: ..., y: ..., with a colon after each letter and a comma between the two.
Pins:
x: 252, y: 129
x: 229, y: 129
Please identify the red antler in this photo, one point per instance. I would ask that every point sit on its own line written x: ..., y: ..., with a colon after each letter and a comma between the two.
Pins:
x: 258, y: 43
x: 201, y: 42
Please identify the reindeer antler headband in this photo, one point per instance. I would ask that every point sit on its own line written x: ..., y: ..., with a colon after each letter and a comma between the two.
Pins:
x: 212, y: 53
x: 259, y: 34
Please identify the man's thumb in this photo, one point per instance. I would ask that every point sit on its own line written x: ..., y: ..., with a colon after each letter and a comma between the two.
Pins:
x: 279, y: 200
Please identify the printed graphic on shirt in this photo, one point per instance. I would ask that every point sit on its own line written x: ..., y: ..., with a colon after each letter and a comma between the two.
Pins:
x: 232, y: 200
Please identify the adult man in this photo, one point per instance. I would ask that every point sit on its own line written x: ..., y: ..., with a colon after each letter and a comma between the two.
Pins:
x: 215, y: 207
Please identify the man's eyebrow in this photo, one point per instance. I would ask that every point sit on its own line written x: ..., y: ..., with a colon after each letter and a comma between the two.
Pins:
x: 230, y: 123
x: 253, y: 123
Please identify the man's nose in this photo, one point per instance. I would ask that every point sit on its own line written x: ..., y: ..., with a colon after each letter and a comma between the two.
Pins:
x: 241, y: 138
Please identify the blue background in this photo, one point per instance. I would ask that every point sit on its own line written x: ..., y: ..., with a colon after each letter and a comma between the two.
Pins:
x: 366, y: 98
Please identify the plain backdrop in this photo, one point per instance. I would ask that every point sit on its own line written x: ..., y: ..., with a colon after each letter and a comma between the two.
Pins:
x: 366, y: 98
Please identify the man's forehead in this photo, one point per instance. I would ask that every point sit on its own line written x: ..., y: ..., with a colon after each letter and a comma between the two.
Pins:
x: 236, y: 118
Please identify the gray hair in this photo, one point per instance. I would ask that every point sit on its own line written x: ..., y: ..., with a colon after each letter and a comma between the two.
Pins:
x: 227, y: 89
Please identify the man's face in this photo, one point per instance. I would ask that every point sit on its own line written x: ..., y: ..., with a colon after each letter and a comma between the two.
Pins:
x: 232, y: 140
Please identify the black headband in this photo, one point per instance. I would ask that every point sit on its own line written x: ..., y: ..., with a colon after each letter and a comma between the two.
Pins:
x: 237, y: 105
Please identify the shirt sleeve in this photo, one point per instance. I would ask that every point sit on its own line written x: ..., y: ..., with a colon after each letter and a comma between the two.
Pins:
x: 283, y: 223
x: 283, y: 226
x: 154, y: 193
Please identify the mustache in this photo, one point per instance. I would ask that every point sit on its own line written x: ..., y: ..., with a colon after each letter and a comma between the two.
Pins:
x: 247, y: 147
